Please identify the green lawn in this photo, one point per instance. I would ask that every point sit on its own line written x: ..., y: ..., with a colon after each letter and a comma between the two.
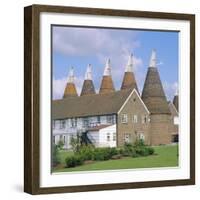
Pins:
x: 165, y: 156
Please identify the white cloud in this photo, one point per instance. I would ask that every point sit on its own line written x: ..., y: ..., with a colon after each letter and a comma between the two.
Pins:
x: 85, y: 41
x: 170, y: 89
x: 60, y: 84
x: 100, y: 44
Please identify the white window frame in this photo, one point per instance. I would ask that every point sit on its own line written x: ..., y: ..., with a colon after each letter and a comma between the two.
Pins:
x: 142, y: 136
x: 124, y: 118
x: 176, y: 120
x: 135, y: 119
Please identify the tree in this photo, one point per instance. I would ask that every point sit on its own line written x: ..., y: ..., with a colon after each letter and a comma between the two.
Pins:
x: 55, y: 155
x: 75, y: 143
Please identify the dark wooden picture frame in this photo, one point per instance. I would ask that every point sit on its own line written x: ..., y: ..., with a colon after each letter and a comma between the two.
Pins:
x: 32, y: 98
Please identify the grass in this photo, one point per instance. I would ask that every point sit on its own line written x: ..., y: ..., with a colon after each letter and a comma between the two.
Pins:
x: 165, y: 156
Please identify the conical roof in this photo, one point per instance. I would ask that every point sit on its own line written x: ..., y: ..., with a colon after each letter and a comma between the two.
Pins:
x: 175, y: 102
x: 88, y: 86
x: 70, y: 89
x: 129, y: 77
x: 153, y: 93
x: 107, y: 85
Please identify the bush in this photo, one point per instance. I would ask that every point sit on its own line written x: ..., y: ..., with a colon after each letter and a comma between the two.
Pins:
x: 134, y: 153
x: 137, y: 149
x: 86, y: 152
x: 60, y: 144
x: 139, y: 143
x: 113, y: 151
x: 151, y: 150
x: 142, y: 151
x: 128, y: 149
x: 73, y: 161
x: 104, y: 153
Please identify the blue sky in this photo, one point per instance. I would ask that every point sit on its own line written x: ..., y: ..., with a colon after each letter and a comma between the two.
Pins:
x: 78, y: 47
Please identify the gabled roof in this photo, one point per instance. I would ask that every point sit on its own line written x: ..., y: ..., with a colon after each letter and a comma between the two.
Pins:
x: 89, y: 105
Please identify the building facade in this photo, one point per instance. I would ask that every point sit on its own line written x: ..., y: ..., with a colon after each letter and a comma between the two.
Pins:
x: 112, y: 118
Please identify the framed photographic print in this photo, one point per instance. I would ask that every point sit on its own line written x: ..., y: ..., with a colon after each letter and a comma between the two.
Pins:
x: 109, y: 99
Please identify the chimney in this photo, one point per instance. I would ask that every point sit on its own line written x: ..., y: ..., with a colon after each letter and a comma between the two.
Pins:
x: 88, y: 86
x: 70, y: 89
x: 129, y: 77
x: 107, y: 83
x: 153, y: 93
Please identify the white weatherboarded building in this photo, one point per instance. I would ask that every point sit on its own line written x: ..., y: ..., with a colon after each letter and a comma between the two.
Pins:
x: 103, y: 136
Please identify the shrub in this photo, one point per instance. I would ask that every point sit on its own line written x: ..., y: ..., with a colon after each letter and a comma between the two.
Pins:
x: 137, y: 149
x: 60, y: 144
x: 55, y: 155
x: 103, y: 153
x: 139, y: 142
x: 73, y: 161
x: 86, y: 152
x: 98, y: 155
x: 134, y: 153
x: 113, y: 151
x: 151, y: 150
x: 128, y: 149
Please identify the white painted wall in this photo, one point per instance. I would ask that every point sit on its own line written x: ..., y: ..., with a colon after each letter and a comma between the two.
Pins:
x: 94, y: 137
x: 100, y: 137
x: 103, y: 136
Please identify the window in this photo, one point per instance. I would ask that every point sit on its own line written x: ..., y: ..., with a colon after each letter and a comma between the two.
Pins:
x: 62, y: 124
x: 73, y: 122
x: 135, y: 119
x: 144, y: 119
x: 108, y: 137
x: 141, y: 136
x: 127, y: 138
x: 124, y: 118
x: 85, y: 122
x: 98, y: 120
x: 176, y: 121
x: 114, y: 136
x: 64, y: 139
x: 110, y: 119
